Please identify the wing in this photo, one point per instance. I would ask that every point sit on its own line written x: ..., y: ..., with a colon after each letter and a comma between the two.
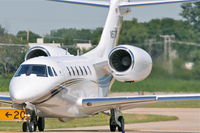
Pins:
x: 86, y: 2
x: 5, y: 99
x: 151, y: 3
x: 95, y: 105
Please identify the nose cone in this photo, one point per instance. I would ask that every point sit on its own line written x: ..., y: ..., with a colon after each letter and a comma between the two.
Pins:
x: 27, y: 89
x: 17, y: 96
x: 21, y: 90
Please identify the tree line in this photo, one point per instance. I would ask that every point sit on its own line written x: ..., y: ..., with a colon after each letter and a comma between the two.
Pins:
x: 133, y: 33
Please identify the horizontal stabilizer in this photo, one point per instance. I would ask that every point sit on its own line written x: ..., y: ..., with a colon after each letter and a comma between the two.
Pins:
x: 86, y: 2
x: 124, y: 4
x: 151, y: 3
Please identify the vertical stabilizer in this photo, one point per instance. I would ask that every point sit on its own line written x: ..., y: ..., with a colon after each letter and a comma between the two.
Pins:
x: 110, y: 34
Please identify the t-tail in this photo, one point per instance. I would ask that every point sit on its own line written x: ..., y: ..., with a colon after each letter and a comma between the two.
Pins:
x: 117, y: 9
x: 110, y: 34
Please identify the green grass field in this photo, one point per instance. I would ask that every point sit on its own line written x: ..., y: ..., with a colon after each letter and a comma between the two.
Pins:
x: 4, y: 83
x: 98, y: 120
x: 158, y: 85
x: 175, y: 104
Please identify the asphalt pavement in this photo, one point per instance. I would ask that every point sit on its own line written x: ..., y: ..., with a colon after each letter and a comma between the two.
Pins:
x: 188, y: 122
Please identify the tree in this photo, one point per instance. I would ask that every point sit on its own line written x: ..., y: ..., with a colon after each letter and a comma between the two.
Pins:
x: 133, y: 32
x: 195, y: 55
x: 69, y: 36
x: 96, y: 35
x: 191, y: 12
x: 2, y: 31
x: 32, y: 36
x: 10, y: 58
x: 10, y: 39
x: 196, y: 70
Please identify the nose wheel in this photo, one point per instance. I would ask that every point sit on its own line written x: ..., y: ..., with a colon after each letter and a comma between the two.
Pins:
x: 28, y: 127
x: 33, y: 122
x: 116, y: 122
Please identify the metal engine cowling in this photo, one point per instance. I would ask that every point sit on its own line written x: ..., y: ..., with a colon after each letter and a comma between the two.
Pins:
x: 129, y: 63
x: 44, y: 50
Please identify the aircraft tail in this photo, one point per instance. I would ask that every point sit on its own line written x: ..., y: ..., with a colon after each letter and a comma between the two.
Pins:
x: 110, y: 34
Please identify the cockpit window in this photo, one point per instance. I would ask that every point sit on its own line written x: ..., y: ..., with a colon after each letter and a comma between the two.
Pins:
x: 54, y: 72
x: 39, y: 70
x: 50, y: 71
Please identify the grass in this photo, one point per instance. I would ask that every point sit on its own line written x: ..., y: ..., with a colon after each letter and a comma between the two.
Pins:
x: 98, y: 120
x: 175, y: 104
x: 4, y: 83
x: 158, y: 85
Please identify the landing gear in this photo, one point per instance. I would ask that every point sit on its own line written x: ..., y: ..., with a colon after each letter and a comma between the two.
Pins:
x: 121, y: 120
x: 25, y: 127
x: 112, y: 125
x: 28, y: 127
x: 41, y: 124
x: 33, y: 122
x: 116, y: 122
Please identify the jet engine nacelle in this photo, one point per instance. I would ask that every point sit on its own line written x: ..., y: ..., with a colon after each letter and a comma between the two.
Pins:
x: 129, y: 63
x: 44, y: 50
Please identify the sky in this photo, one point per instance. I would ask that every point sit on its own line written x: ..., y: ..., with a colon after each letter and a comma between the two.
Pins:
x: 42, y: 16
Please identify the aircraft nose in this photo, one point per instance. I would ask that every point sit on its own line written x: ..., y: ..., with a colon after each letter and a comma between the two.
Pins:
x: 19, y: 92
x: 26, y: 90
x: 18, y: 96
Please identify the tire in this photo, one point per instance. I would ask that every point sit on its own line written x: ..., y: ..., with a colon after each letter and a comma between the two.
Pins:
x: 31, y: 126
x: 41, y: 124
x: 112, y: 127
x: 35, y: 126
x: 28, y: 127
x: 121, y: 120
x: 25, y: 127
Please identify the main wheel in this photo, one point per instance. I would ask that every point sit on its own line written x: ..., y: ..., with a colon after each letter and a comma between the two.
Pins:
x: 112, y: 126
x: 31, y: 127
x: 25, y: 127
x: 121, y: 120
x: 41, y: 124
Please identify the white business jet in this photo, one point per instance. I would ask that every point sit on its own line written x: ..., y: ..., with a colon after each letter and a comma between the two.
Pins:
x: 53, y: 83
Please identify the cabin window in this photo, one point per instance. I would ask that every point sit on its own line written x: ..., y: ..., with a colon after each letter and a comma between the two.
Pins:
x: 89, y: 70
x: 85, y: 70
x: 73, y: 71
x: 69, y: 71
x: 81, y: 70
x: 77, y: 70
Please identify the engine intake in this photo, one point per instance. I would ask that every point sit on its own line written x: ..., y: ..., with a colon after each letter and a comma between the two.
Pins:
x: 120, y: 60
x: 129, y: 63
